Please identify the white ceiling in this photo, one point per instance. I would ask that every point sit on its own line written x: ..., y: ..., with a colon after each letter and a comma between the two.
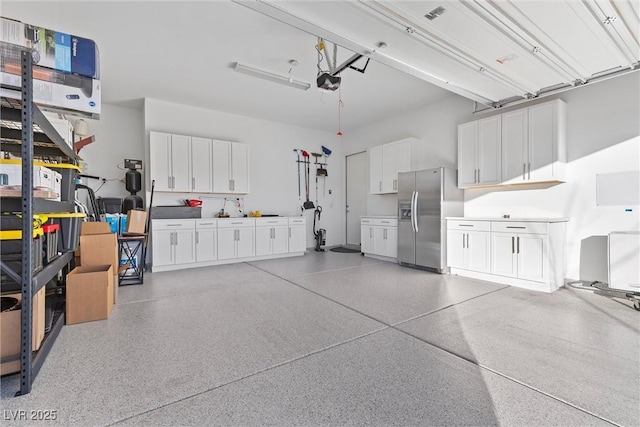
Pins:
x: 183, y: 52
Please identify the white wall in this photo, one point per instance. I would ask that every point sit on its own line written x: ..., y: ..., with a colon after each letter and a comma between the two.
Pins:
x: 118, y: 136
x: 273, y: 171
x: 434, y: 125
x: 603, y: 135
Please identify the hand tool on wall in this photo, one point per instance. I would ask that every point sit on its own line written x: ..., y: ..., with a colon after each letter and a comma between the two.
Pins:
x: 298, y: 162
x: 307, y: 204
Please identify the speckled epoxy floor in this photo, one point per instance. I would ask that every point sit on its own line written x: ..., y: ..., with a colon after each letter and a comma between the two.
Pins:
x: 339, y: 339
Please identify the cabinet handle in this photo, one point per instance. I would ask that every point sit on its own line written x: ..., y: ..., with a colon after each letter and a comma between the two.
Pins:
x: 233, y: 184
x: 466, y: 225
x: 467, y: 240
x: 478, y: 176
x: 176, y: 234
x: 174, y: 225
x: 206, y: 223
x: 169, y: 182
x: 514, y: 226
x: 197, y: 238
x: 524, y: 171
x: 529, y: 170
x: 380, y: 185
x: 463, y: 245
x: 193, y: 183
x: 518, y: 245
x: 236, y: 223
x: 371, y: 233
x: 289, y: 232
x: 513, y: 250
x: 384, y: 233
x: 230, y: 185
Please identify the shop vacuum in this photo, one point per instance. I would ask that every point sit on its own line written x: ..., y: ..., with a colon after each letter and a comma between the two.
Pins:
x: 321, y: 233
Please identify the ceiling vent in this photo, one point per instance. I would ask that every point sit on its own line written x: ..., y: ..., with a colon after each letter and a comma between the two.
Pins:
x: 435, y: 13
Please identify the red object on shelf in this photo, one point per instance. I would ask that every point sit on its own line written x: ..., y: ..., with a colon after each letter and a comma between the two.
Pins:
x: 194, y: 203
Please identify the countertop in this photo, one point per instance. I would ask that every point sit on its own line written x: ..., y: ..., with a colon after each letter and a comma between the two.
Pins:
x: 507, y: 219
x: 380, y: 216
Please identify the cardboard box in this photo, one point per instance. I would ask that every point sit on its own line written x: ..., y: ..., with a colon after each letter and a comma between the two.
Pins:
x: 89, y: 293
x: 82, y: 98
x: 62, y: 126
x: 51, y: 49
x: 99, y: 246
x: 10, y: 330
x: 136, y: 221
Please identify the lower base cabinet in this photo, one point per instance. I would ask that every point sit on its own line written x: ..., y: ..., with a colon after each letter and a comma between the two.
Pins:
x: 186, y: 243
x: 379, y: 237
x: 523, y: 253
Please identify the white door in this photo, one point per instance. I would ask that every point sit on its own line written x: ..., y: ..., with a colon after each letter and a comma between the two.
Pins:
x: 379, y: 240
x: 503, y: 254
x: 375, y: 169
x: 162, y: 247
x: 206, y: 244
x: 489, y: 150
x: 367, y: 245
x: 478, y: 251
x: 514, y: 146
x: 226, y: 243
x: 542, y: 141
x: 389, y: 174
x: 403, y: 160
x: 297, y: 238
x: 356, y: 195
x: 263, y: 240
x: 221, y: 166
x: 456, y: 243
x: 467, y: 147
x: 181, y: 162
x: 280, y: 240
x: 245, y: 243
x: 160, y: 160
x: 391, y: 242
x: 532, y: 257
x: 185, y: 246
x: 201, y: 158
x: 240, y: 167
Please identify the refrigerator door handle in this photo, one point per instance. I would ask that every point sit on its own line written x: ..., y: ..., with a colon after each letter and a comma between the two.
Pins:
x: 414, y: 211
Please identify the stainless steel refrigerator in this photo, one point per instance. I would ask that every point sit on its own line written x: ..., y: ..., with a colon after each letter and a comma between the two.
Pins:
x: 425, y: 199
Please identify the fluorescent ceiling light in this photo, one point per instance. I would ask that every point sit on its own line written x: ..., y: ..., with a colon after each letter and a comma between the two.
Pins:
x: 267, y: 75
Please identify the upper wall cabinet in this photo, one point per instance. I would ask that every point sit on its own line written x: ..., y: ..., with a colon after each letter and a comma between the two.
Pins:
x: 534, y: 143
x: 386, y: 161
x: 527, y: 145
x: 198, y: 165
x: 479, y: 153
x: 170, y: 158
x: 230, y: 167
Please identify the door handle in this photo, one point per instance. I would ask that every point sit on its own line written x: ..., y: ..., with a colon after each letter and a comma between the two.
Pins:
x: 415, y: 212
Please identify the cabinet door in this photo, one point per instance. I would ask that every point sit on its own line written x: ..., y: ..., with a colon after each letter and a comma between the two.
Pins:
x: 514, y: 146
x: 379, y: 241
x: 489, y: 150
x: 297, y: 238
x: 391, y: 249
x: 226, y: 243
x: 366, y: 235
x: 467, y: 142
x: 263, y: 240
x: 533, y: 259
x: 375, y: 169
x: 403, y: 157
x: 162, y: 247
x: 240, y: 168
x: 503, y: 256
x: 456, y: 243
x: 389, y: 174
x: 280, y: 240
x: 181, y: 162
x: 245, y: 243
x: 478, y: 251
x: 221, y: 166
x: 160, y: 160
x: 201, y: 158
x: 206, y: 245
x: 185, y: 246
x: 542, y: 142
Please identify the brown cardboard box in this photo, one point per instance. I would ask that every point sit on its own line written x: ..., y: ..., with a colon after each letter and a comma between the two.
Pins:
x: 10, y: 331
x: 136, y: 221
x: 89, y: 293
x: 99, y: 247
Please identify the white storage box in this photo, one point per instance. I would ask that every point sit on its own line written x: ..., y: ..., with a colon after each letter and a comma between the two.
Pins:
x: 42, y: 176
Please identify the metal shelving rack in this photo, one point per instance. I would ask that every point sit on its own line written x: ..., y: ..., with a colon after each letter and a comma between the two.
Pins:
x: 36, y: 133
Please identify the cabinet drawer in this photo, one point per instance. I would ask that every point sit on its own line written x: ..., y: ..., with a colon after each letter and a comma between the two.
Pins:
x: 520, y: 227
x: 236, y: 223
x: 386, y: 222
x: 468, y: 225
x: 366, y: 221
x: 173, y: 224
x: 206, y: 223
x: 297, y: 221
x: 270, y: 222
